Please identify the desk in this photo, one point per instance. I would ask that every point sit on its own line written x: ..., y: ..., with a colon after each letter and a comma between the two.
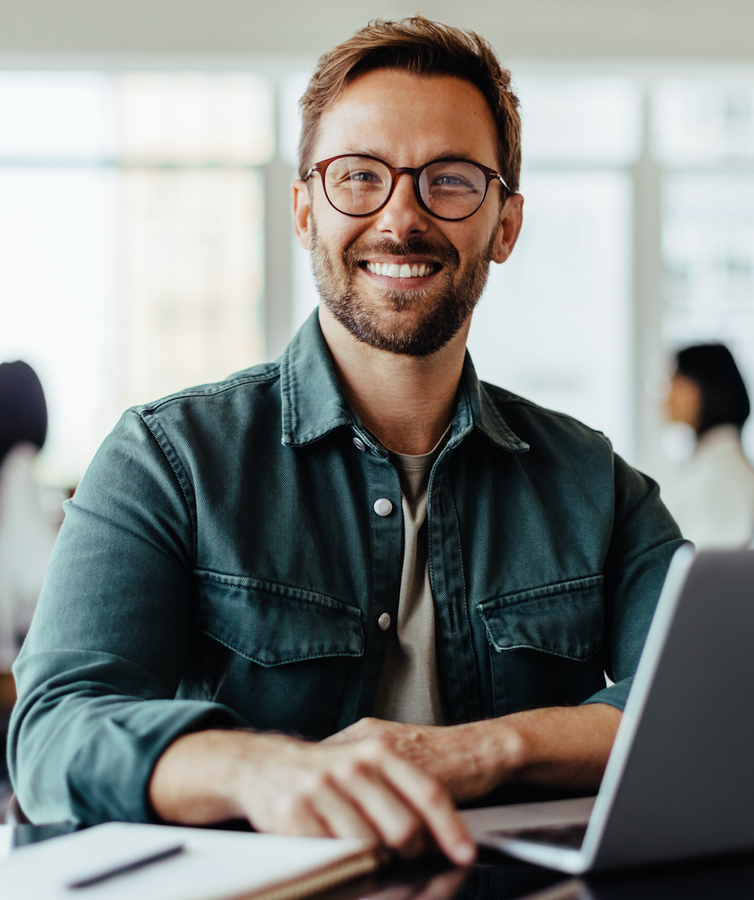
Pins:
x: 494, y: 877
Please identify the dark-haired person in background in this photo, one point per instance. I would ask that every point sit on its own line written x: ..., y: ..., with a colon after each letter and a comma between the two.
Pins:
x: 28, y: 525
x: 712, y: 494
x: 27, y: 530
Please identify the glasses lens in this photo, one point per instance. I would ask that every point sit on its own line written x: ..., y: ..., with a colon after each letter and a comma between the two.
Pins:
x: 357, y: 185
x: 452, y: 189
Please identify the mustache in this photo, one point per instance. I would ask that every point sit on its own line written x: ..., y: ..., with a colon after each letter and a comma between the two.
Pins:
x: 444, y: 254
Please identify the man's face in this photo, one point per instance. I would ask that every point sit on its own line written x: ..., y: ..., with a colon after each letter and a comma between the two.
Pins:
x: 405, y: 120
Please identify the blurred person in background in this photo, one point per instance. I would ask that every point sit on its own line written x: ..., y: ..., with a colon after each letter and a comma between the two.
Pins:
x: 28, y: 524
x: 711, y: 494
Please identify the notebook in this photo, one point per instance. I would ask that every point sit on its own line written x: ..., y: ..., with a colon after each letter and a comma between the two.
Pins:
x: 680, y: 778
x: 188, y: 864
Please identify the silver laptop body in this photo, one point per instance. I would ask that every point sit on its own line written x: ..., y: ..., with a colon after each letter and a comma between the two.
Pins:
x: 680, y: 779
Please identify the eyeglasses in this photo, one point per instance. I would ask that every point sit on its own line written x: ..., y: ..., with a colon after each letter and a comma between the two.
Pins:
x: 449, y: 189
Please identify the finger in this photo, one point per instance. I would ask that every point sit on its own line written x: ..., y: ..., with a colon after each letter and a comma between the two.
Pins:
x: 291, y: 814
x: 338, y: 813
x: 395, y: 822
x: 435, y: 806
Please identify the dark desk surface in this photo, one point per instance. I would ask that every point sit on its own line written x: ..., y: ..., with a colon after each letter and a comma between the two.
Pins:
x: 494, y: 877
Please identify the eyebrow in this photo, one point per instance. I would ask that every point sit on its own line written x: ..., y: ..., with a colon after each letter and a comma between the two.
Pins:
x: 447, y: 154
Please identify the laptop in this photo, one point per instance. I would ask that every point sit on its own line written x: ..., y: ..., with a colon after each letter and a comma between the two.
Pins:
x: 679, y: 782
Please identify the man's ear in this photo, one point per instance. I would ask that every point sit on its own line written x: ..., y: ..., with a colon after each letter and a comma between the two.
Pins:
x: 511, y: 219
x: 301, y: 213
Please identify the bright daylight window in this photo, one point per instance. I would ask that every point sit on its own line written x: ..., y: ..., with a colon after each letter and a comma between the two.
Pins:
x: 133, y: 233
x: 555, y: 323
x: 704, y: 139
x: 132, y: 228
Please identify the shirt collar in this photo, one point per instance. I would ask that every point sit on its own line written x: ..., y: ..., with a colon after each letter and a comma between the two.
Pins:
x: 476, y: 410
x: 313, y: 404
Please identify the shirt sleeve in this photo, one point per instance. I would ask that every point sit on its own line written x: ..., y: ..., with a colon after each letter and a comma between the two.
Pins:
x: 98, y: 677
x: 643, y: 542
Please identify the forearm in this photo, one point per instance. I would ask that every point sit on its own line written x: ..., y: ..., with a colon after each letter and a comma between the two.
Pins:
x: 83, y: 743
x: 288, y: 786
x: 193, y: 782
x: 563, y: 747
x: 560, y: 747
x: 207, y: 776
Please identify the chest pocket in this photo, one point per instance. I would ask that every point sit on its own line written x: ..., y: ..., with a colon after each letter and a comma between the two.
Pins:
x: 544, y: 644
x: 278, y: 655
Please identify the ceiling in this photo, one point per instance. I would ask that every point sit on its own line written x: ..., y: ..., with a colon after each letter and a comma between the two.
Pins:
x: 31, y: 30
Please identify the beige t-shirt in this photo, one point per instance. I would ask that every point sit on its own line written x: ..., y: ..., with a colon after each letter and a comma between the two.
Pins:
x: 408, y: 689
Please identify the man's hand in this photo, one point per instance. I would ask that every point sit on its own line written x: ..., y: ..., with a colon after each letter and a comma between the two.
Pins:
x: 360, y: 789
x: 563, y: 747
x: 468, y: 759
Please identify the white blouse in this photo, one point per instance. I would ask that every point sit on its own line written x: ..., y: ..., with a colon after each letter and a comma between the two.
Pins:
x: 711, y: 495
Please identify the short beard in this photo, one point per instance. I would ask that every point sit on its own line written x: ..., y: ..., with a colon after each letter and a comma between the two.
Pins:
x: 443, y: 321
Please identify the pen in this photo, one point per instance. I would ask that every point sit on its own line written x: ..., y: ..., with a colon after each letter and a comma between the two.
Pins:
x: 130, y: 865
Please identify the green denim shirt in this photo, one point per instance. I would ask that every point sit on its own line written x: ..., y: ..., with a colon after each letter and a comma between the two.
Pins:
x: 222, y: 565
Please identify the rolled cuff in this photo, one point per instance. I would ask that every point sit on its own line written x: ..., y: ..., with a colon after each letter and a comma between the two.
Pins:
x: 615, y: 695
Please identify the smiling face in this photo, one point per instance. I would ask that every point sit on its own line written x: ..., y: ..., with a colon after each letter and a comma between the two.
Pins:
x: 400, y: 279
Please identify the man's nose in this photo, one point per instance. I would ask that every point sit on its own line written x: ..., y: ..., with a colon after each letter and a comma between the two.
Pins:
x: 402, y: 215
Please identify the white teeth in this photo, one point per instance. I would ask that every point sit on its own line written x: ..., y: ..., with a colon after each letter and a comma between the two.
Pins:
x: 393, y: 270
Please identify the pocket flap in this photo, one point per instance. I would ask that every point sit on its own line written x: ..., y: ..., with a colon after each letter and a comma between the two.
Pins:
x: 564, y: 619
x: 272, y: 624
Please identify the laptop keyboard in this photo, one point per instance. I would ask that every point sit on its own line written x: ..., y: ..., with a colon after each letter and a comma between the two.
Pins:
x: 571, y: 836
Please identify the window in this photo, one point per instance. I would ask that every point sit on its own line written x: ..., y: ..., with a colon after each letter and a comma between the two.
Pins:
x: 147, y: 240
x: 132, y: 227
x: 703, y: 138
x: 555, y: 323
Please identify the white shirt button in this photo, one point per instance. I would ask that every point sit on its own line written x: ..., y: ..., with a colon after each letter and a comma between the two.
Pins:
x: 384, y: 621
x: 359, y: 444
x: 383, y: 507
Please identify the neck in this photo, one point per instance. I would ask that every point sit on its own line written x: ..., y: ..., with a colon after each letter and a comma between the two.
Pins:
x: 407, y: 402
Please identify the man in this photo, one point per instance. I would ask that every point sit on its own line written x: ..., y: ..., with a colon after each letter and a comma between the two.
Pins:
x: 401, y: 599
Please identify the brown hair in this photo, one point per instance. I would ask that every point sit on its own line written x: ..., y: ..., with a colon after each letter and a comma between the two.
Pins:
x: 422, y: 47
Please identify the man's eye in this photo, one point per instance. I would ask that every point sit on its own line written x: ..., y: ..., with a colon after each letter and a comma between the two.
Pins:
x: 356, y: 180
x: 450, y: 182
x: 365, y: 177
